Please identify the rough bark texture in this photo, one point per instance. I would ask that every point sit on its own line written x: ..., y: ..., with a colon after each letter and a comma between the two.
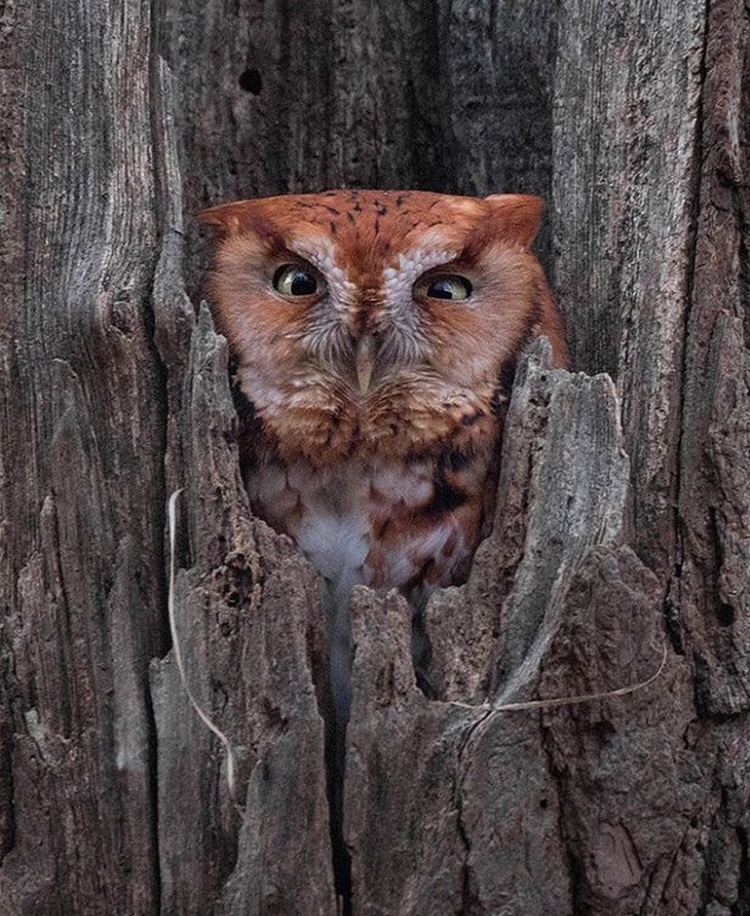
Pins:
x: 621, y: 549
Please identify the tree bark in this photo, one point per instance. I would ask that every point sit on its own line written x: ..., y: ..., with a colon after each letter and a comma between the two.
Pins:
x: 589, y: 750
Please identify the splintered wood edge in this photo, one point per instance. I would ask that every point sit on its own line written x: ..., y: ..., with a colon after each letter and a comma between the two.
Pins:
x: 563, y: 490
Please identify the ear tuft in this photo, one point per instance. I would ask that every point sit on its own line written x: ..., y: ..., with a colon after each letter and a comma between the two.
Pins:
x: 516, y: 217
x: 227, y: 218
x: 233, y: 218
x: 240, y: 217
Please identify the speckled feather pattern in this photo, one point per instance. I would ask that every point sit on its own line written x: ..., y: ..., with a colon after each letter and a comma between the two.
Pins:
x: 391, y: 485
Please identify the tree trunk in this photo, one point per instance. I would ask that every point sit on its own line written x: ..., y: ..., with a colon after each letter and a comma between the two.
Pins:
x: 589, y: 752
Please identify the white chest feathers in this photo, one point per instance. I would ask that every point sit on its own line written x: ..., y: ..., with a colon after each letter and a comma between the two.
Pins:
x: 362, y: 523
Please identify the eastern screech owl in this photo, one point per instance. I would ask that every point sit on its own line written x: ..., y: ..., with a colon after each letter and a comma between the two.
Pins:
x: 374, y: 336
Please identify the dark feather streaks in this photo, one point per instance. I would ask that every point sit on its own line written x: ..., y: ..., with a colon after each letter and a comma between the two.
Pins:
x: 447, y: 496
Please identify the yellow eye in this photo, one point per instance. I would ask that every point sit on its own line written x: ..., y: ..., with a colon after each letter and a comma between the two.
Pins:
x: 443, y: 286
x: 293, y: 280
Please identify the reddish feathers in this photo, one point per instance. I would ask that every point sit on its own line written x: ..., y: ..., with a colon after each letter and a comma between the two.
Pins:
x: 375, y: 334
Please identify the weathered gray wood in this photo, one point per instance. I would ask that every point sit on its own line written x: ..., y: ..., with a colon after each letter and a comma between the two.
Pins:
x: 250, y: 631
x: 350, y: 93
x: 621, y: 536
x: 82, y: 418
x: 627, y: 147
x: 549, y: 514
x: 713, y: 586
x: 658, y: 196
x: 477, y: 779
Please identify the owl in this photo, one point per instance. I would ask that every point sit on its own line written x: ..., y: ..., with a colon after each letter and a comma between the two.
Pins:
x: 374, y: 337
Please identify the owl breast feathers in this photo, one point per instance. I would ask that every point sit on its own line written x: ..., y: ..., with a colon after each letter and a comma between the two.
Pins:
x: 374, y: 337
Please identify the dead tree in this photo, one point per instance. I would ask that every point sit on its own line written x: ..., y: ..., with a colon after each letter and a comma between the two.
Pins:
x: 617, y: 578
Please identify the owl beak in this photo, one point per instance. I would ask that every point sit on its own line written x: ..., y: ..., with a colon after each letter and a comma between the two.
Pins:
x: 364, y: 362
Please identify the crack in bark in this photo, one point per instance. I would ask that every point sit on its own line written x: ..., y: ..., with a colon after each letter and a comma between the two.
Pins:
x: 693, y: 235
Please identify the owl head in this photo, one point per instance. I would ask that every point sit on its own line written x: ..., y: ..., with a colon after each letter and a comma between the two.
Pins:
x: 345, y: 307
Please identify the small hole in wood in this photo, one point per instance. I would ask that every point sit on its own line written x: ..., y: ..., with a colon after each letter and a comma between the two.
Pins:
x: 725, y: 615
x: 251, y: 81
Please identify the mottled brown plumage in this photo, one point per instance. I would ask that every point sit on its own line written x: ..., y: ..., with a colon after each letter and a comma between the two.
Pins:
x: 374, y: 337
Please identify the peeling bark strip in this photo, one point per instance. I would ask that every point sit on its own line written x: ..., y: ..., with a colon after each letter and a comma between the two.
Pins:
x: 623, y: 514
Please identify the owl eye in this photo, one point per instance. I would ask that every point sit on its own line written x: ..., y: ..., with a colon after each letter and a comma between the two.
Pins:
x: 293, y: 280
x: 443, y: 286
